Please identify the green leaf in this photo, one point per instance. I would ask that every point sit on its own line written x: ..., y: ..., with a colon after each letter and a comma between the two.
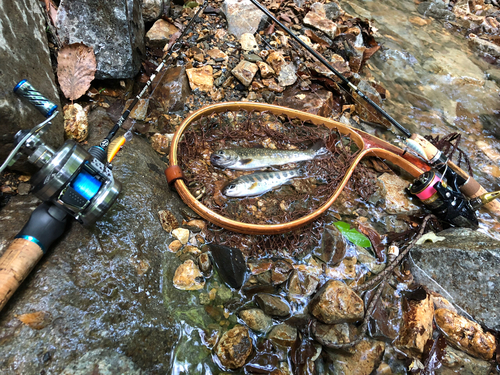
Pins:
x: 353, y: 235
x: 191, y: 4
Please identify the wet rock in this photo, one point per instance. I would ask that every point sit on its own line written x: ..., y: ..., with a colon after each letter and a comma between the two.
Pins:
x: 336, y: 303
x: 248, y: 42
x: 168, y: 220
x: 188, y: 277
x: 205, y: 263
x: 160, y: 143
x: 256, y: 320
x: 484, y: 47
x: 276, y: 61
x: 181, y: 234
x: 416, y: 328
x: 393, y: 193
x: 196, y: 53
x: 102, y: 361
x: 466, y: 258
x: 333, y: 335
x: 140, y: 110
x: 159, y: 34
x: 457, y: 362
x: 245, y: 71
x: 115, y: 30
x: 272, y: 305
x: 175, y: 246
x: 280, y: 271
x: 217, y: 54
x: 201, y: 78
x: 242, y: 17
x: 435, y: 9
x: 465, y: 334
x: 333, y: 246
x: 301, y: 285
x: 76, y: 125
x: 283, y: 335
x: 337, y: 62
x: 318, y: 103
x: 373, y: 94
x: 234, y: 347
x: 365, y: 357
x: 23, y: 188
x: 320, y: 23
x: 265, y: 70
x: 87, y: 281
x: 287, y: 76
x: 173, y: 89
x: 31, y: 62
x: 230, y: 264
x: 151, y: 10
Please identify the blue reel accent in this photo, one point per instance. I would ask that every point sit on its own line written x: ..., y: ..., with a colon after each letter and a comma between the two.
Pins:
x: 44, y: 105
x: 86, y: 185
x: 34, y: 240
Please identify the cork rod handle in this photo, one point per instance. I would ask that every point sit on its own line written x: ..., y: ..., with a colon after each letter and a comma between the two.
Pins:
x: 15, y: 264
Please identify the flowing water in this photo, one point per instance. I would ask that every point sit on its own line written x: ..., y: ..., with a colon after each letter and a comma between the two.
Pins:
x: 437, y: 86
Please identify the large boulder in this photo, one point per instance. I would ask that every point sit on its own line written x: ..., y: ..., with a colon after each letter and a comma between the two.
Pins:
x: 99, y: 288
x: 464, y: 268
x: 114, y: 29
x: 24, y: 54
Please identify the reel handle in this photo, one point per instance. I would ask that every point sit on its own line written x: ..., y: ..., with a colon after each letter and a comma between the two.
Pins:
x: 44, y: 105
x: 15, y: 264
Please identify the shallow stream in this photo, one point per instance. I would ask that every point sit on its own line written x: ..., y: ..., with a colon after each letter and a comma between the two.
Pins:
x: 437, y: 86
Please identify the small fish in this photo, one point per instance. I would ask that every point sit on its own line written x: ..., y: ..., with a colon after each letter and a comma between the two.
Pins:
x: 259, y: 183
x: 244, y: 159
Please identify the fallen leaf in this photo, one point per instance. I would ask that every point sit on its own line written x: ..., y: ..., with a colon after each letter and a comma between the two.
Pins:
x: 36, y: 320
x: 51, y: 9
x: 76, y: 69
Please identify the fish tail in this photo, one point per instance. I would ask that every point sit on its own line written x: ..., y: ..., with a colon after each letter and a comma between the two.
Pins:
x: 319, y: 148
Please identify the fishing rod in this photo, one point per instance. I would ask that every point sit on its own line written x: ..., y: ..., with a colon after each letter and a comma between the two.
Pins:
x: 115, y: 146
x: 418, y: 144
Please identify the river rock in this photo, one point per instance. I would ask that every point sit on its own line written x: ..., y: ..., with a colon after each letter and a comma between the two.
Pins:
x: 276, y: 61
x: 457, y: 362
x: 333, y: 246
x: 301, y: 285
x: 76, y: 125
x: 102, y: 361
x: 159, y: 34
x: 115, y: 30
x: 97, y: 297
x: 242, y: 17
x: 336, y: 303
x: 230, y: 264
x: 245, y: 71
x: 365, y: 358
x: 392, y: 190
x: 465, y: 334
x: 272, y: 305
x: 182, y: 234
x: 320, y: 23
x: 436, y: 9
x: 333, y: 335
x: 188, y: 277
x: 204, y: 263
x: 257, y: 320
x: 152, y: 9
x: 201, y: 78
x: 318, y: 103
x: 265, y: 70
x: 287, y: 76
x: 283, y: 335
x: 234, y: 347
x: 464, y: 268
x: 160, y: 143
x: 25, y: 55
x: 485, y: 47
x: 248, y: 42
x: 416, y: 328
x: 173, y: 90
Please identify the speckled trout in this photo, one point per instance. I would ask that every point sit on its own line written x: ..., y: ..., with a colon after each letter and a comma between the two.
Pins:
x: 260, y: 182
x: 244, y: 159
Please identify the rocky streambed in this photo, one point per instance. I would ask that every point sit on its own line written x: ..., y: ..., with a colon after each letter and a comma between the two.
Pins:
x: 152, y: 288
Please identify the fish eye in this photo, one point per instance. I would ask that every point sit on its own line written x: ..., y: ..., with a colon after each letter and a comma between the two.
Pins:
x: 232, y: 186
x: 220, y: 152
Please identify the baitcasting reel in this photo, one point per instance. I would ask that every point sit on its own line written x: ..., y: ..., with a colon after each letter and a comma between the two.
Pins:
x: 74, y: 179
x: 71, y: 182
x: 441, y: 194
